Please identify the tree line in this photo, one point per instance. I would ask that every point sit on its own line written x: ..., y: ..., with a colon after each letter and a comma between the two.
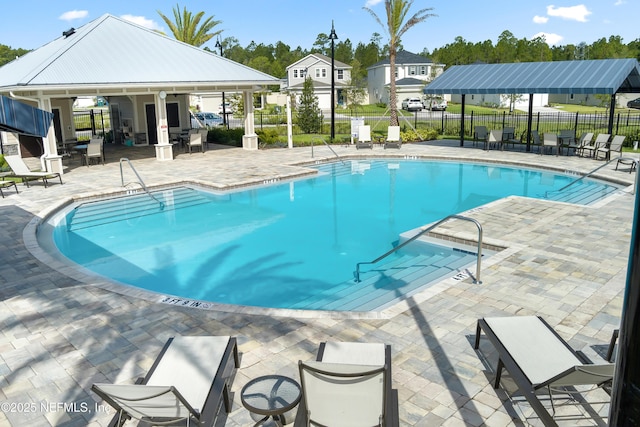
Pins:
x: 273, y: 59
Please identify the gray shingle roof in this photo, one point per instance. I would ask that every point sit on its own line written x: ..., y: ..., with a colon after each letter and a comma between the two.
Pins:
x: 111, y: 51
x: 605, y: 76
x: 403, y: 57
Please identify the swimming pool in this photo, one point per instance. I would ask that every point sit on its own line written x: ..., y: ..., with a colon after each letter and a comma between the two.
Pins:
x: 294, y: 244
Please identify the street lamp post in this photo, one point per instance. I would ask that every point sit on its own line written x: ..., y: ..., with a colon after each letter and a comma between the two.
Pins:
x: 224, y: 105
x: 333, y: 37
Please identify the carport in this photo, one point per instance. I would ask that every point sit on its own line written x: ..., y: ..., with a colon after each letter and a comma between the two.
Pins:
x: 605, y: 76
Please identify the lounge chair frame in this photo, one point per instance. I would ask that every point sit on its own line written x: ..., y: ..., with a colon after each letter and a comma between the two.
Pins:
x: 219, y: 393
x: 21, y: 170
x: 7, y: 184
x: 391, y: 413
x: 528, y: 390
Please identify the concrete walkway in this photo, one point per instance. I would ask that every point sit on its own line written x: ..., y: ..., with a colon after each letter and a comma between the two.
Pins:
x: 59, y: 334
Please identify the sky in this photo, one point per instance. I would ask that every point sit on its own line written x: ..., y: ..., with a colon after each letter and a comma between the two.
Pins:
x: 31, y: 24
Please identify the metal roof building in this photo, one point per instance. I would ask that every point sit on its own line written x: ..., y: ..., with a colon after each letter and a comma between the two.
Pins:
x: 605, y: 76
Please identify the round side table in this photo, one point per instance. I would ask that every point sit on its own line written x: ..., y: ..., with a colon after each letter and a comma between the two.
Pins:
x: 271, y: 396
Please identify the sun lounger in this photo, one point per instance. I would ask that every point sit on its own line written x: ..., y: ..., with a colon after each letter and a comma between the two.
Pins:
x: 21, y: 170
x: 364, y: 137
x: 393, y: 137
x: 349, y: 384
x: 538, y: 359
x: 189, y: 380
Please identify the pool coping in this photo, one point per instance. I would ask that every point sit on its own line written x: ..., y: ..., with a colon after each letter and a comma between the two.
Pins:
x: 392, y: 309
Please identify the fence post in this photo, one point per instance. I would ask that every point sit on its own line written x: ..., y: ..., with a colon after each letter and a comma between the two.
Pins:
x: 93, y: 122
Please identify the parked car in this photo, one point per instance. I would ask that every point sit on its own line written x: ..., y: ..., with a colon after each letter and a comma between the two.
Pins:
x: 439, y: 105
x: 634, y: 103
x: 206, y: 119
x: 228, y: 108
x: 412, y: 104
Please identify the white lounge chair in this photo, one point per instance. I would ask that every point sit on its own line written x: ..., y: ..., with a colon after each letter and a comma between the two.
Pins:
x: 393, y: 137
x: 538, y: 359
x: 94, y: 151
x: 189, y: 380
x: 364, y: 137
x: 348, y: 385
x: 21, y: 170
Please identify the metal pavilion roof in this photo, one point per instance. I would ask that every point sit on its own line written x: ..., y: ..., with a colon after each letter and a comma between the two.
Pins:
x: 605, y: 76
x: 111, y: 52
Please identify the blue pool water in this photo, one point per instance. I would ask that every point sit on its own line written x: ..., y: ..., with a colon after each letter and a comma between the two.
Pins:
x: 293, y: 244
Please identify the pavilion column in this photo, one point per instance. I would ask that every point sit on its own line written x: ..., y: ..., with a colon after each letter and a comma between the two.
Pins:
x: 164, y: 149
x: 249, y: 139
x: 51, y: 161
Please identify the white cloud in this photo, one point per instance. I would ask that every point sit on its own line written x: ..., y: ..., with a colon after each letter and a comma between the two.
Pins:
x: 141, y: 20
x: 371, y: 3
x: 540, y: 19
x: 572, y: 13
x: 619, y: 2
x: 551, y: 38
x: 73, y: 14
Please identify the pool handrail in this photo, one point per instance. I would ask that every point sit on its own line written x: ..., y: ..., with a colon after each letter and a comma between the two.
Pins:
x: 426, y: 230
x: 588, y: 174
x: 328, y: 146
x: 144, y: 187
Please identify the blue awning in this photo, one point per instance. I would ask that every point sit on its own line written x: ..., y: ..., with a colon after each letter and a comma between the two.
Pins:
x: 604, y: 76
x: 22, y: 118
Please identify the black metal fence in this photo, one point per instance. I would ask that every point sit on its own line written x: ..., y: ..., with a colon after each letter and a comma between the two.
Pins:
x: 625, y: 123
x: 92, y: 122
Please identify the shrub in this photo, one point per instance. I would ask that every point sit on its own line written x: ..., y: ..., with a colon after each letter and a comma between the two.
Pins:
x: 411, y: 135
x: 220, y: 135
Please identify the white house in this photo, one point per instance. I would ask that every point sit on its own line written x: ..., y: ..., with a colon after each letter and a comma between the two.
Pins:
x: 318, y: 67
x: 411, y: 74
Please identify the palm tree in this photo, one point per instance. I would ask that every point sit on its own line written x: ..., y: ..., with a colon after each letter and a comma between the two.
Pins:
x: 187, y: 27
x: 397, y: 25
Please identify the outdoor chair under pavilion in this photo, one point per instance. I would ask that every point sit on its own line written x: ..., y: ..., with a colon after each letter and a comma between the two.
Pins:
x: 364, y: 137
x: 540, y: 361
x: 349, y: 385
x: 480, y: 133
x: 21, y: 170
x: 393, y: 137
x: 601, y: 141
x: 614, y: 147
x: 584, y: 141
x: 195, y: 142
x: 188, y: 382
x: 95, y: 150
x: 494, y: 139
x: 550, y: 141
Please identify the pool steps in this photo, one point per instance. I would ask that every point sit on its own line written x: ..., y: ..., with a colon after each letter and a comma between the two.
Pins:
x: 406, y: 273
x: 95, y: 213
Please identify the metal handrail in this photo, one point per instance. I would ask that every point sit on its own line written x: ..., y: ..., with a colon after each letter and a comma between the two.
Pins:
x: 428, y: 229
x: 144, y: 187
x: 582, y: 177
x: 328, y: 146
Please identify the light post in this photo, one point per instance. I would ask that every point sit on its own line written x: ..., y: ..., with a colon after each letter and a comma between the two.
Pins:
x: 333, y: 37
x: 224, y: 105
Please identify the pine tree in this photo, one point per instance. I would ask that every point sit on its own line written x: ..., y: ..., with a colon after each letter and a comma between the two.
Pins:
x: 309, y: 114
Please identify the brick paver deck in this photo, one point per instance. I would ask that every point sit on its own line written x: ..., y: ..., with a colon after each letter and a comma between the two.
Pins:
x: 59, y: 334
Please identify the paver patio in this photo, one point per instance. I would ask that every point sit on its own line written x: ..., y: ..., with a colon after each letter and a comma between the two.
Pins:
x: 59, y: 335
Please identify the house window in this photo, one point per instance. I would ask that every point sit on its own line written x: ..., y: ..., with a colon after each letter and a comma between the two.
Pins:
x: 340, y: 74
x: 412, y: 70
x: 396, y: 72
x: 423, y: 70
x: 321, y: 72
x: 295, y: 73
